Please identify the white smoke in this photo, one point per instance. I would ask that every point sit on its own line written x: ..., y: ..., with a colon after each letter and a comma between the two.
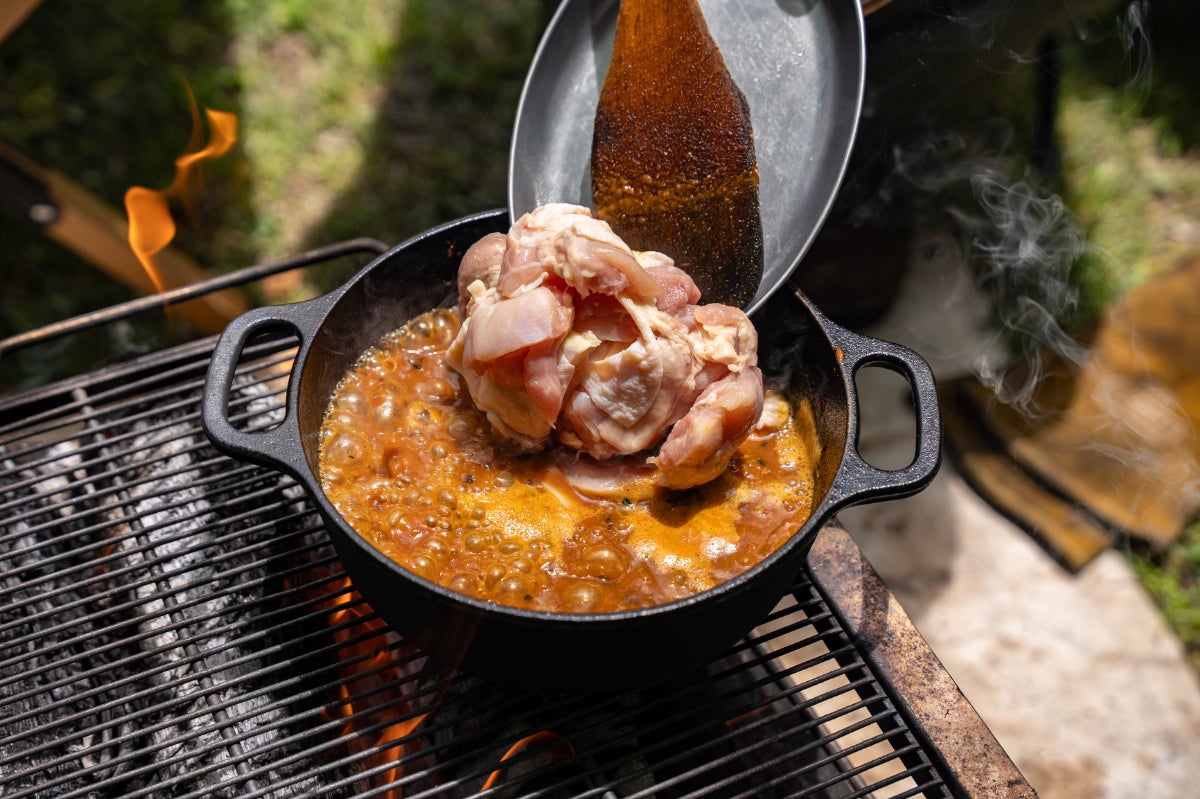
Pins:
x: 1023, y: 242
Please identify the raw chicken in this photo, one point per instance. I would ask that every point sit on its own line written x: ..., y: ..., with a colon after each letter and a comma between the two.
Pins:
x: 569, y: 334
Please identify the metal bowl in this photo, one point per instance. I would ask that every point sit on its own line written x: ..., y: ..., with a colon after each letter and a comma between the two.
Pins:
x: 801, y: 65
x: 800, y: 350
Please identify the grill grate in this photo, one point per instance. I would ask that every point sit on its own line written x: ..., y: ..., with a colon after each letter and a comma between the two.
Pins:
x: 175, y: 622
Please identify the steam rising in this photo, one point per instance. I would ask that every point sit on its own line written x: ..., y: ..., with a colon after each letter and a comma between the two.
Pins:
x: 1135, y: 40
x: 1117, y: 424
x: 1023, y: 241
x: 1027, y: 243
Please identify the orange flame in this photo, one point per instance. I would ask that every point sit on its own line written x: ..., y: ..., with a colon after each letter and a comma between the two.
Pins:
x: 370, y: 662
x: 151, y: 226
x: 372, y: 675
x: 544, y: 739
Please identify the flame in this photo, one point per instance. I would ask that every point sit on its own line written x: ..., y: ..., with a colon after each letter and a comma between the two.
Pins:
x: 374, y: 668
x: 151, y: 226
x: 556, y: 749
x: 372, y: 674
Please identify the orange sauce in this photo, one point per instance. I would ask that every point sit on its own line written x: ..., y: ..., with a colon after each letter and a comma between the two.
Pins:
x: 415, y: 468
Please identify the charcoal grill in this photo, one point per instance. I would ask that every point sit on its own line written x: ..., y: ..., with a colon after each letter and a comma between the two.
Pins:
x: 173, y: 622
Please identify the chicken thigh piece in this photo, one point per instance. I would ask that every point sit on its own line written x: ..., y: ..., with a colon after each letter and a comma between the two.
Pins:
x: 570, y: 335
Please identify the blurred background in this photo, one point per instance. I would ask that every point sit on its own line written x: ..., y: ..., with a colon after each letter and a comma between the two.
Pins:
x: 1052, y: 145
x: 376, y: 118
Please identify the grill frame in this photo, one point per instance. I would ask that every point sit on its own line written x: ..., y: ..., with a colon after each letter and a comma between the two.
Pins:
x: 887, y: 670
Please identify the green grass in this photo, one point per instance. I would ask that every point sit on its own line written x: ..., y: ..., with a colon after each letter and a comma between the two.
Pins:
x: 1172, y: 578
x: 306, y: 129
x: 359, y: 118
x: 1134, y: 186
x: 97, y: 93
x: 1130, y: 129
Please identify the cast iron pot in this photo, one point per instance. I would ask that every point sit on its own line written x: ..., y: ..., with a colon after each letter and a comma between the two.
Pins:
x: 799, y: 349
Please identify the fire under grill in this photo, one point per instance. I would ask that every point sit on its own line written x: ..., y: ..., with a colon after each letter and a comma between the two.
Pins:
x: 174, y: 622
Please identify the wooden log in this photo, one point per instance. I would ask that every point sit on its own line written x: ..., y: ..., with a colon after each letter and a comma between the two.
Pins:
x: 89, y: 227
x: 1115, y: 430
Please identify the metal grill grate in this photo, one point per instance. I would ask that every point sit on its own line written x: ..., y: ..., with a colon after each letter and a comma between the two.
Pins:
x: 175, y: 622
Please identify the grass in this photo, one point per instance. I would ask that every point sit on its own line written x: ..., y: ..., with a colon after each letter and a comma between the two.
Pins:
x: 1134, y: 183
x: 307, y: 128
x: 359, y: 118
x: 1172, y: 578
x: 1130, y: 130
x: 97, y: 93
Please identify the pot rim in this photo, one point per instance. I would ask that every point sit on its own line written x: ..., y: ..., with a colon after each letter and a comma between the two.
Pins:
x: 308, y: 318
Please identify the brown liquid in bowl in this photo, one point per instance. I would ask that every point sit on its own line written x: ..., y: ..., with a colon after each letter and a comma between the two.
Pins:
x: 415, y: 468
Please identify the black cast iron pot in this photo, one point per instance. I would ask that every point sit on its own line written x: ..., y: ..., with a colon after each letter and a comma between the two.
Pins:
x: 799, y: 349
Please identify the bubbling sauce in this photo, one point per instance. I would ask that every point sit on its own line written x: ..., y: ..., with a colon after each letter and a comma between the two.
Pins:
x: 414, y: 467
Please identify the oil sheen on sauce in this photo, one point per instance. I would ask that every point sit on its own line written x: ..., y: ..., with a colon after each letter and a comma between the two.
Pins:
x: 415, y: 469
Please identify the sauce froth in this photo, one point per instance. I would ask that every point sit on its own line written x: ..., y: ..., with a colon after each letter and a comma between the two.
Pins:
x: 415, y: 468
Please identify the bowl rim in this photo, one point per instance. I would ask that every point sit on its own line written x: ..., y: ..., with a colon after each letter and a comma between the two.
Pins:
x: 795, y: 546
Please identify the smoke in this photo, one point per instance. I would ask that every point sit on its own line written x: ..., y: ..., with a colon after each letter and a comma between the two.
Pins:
x: 1026, y: 242
x: 1023, y: 239
x: 1023, y: 242
x: 1106, y: 422
x: 1134, y: 33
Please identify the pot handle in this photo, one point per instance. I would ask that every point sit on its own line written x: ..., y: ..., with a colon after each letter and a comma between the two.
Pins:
x: 278, y: 446
x: 867, y: 483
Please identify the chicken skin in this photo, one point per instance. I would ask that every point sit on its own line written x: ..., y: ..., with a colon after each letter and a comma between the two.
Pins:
x: 568, y: 335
